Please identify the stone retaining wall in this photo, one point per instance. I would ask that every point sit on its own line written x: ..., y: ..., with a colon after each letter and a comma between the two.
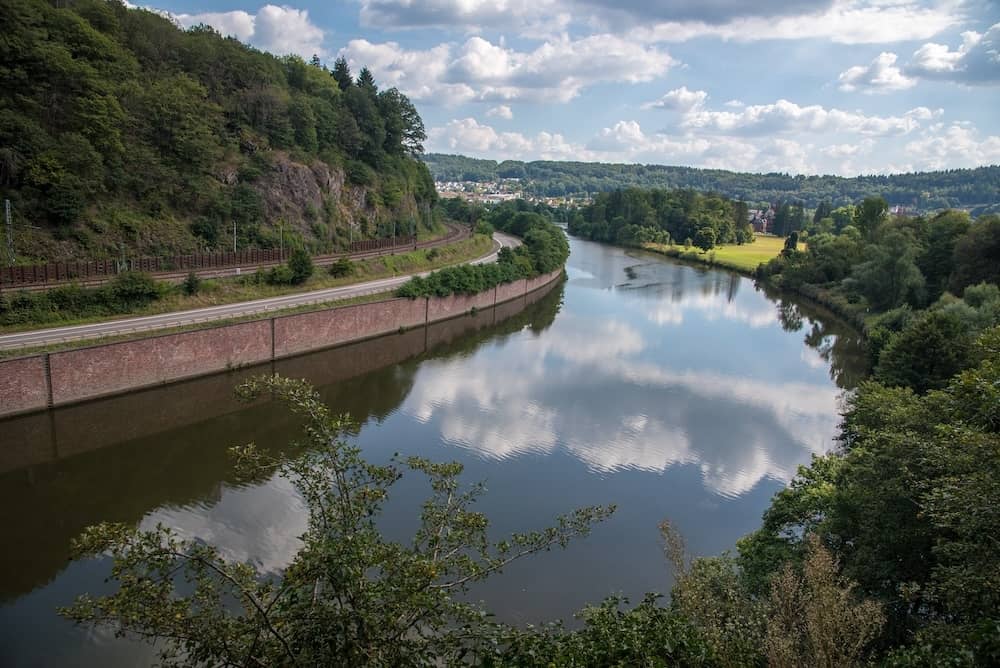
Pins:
x: 53, y: 379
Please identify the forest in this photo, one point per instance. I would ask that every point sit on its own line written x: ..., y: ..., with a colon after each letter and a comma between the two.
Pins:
x: 633, y: 217
x: 976, y: 189
x: 119, y: 131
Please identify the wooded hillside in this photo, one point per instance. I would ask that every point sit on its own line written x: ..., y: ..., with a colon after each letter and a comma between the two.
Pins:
x: 976, y: 189
x: 120, y: 130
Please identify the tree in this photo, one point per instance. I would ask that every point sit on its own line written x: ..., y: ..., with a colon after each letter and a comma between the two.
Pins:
x: 300, y: 265
x: 366, y: 82
x: 704, y: 238
x: 889, y: 276
x: 937, y: 261
x: 977, y: 255
x: 342, y: 73
x: 303, y: 121
x: 870, y: 215
x: 927, y: 353
x: 791, y: 244
x: 824, y: 210
x: 350, y: 596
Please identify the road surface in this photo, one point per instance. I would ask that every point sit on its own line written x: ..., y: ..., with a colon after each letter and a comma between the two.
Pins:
x: 43, y: 337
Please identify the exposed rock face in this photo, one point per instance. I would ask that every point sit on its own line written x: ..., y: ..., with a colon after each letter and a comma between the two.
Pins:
x: 304, y: 195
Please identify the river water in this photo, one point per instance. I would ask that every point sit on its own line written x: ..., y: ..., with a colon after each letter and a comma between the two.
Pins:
x: 672, y: 391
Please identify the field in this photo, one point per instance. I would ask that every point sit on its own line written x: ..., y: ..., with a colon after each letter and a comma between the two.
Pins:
x: 743, y: 258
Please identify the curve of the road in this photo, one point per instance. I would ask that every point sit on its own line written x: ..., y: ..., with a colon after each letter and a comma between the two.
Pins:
x: 43, y: 337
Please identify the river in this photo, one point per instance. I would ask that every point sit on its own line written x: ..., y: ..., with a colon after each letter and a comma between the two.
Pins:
x: 672, y: 391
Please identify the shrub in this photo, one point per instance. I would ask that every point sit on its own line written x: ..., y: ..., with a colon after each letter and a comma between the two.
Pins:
x: 280, y: 275
x: 131, y: 290
x: 191, y: 285
x: 301, y: 266
x: 342, y: 267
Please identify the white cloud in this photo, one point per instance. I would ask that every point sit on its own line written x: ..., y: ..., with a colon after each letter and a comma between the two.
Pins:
x: 419, y: 74
x: 844, y: 21
x: 679, y: 99
x: 528, y: 17
x: 555, y: 71
x: 955, y: 145
x: 467, y: 135
x: 784, y: 116
x: 976, y: 61
x: 927, y: 145
x: 280, y: 30
x: 882, y: 75
x: 502, y: 111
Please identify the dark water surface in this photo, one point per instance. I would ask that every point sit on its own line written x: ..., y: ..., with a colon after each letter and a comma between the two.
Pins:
x: 669, y: 390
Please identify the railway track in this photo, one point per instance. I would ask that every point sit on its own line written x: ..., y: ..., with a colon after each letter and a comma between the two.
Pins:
x: 455, y: 233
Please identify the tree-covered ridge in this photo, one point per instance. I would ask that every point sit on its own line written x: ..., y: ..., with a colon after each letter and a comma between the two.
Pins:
x: 634, y: 216
x: 119, y: 128
x: 965, y: 188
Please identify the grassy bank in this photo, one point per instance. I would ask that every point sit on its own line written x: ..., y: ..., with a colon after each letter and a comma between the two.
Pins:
x: 743, y: 258
x: 247, y: 288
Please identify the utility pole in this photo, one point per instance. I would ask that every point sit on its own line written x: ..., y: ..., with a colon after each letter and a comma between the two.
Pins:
x: 234, y: 237
x: 10, y: 233
x: 281, y: 235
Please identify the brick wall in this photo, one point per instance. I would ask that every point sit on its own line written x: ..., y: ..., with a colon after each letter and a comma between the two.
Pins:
x: 23, y: 385
x: 103, y: 370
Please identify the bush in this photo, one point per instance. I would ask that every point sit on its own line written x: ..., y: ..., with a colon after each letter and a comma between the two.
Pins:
x: 484, y: 228
x: 301, y: 266
x: 545, y: 249
x: 280, y: 275
x: 342, y: 267
x: 131, y: 290
x: 191, y: 285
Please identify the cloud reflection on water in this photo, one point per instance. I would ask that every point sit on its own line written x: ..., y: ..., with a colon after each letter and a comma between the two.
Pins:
x: 595, y: 390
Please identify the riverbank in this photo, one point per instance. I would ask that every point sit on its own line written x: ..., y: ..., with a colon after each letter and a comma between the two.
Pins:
x: 61, y: 378
x: 745, y: 259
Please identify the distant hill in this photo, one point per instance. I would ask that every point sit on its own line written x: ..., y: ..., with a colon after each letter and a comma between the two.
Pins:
x: 119, y: 130
x: 977, y: 189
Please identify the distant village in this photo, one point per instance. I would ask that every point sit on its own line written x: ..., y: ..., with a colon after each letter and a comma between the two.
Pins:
x: 501, y: 190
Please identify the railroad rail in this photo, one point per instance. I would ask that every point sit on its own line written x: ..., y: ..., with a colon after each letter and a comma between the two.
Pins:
x: 204, y: 265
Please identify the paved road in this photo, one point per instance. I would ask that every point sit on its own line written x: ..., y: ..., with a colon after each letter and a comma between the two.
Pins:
x: 43, y: 337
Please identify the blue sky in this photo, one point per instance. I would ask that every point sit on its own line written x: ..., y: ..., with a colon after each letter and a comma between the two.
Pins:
x: 801, y: 86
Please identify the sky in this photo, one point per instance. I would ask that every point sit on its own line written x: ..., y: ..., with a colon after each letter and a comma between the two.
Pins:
x: 842, y: 87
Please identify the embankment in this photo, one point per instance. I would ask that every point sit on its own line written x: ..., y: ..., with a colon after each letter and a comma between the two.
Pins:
x: 47, y: 380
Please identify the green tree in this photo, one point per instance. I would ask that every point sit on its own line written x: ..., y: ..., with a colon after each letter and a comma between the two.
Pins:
x: 926, y: 353
x: 342, y: 73
x: 870, y: 214
x: 889, y: 276
x: 977, y: 255
x: 937, y: 261
x: 704, y: 238
x: 350, y: 596
x: 301, y: 266
x: 366, y: 82
x: 303, y: 121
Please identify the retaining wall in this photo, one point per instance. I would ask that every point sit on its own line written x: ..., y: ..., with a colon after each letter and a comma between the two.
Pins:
x: 54, y: 379
x: 24, y: 385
